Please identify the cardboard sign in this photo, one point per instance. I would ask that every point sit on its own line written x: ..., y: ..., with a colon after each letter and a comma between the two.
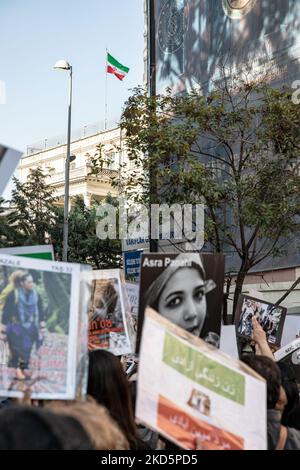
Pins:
x: 109, y: 327
x: 43, y: 316
x: 38, y: 251
x: 9, y: 159
x: 271, y: 319
x: 189, y: 389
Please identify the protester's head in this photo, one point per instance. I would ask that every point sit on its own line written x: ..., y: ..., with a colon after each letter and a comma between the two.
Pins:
x: 269, y: 370
x: 102, y: 430
x: 179, y: 293
x: 31, y: 428
x: 289, y: 384
x: 108, y: 385
x: 16, y: 276
x: 26, y: 282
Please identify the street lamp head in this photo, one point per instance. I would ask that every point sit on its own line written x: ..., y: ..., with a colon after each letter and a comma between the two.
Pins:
x: 62, y: 65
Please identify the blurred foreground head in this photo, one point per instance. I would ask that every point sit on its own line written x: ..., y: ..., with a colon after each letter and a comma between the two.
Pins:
x: 103, y: 432
x: 269, y: 370
x: 31, y: 428
x: 108, y: 385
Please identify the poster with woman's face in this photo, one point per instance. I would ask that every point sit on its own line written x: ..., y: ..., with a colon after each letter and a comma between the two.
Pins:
x: 185, y: 288
x: 108, y: 327
x: 39, y: 322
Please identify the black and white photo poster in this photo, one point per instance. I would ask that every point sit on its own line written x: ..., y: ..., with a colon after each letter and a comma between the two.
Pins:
x: 185, y: 288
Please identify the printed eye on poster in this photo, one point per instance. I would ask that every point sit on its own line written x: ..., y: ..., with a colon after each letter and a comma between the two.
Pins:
x: 43, y: 318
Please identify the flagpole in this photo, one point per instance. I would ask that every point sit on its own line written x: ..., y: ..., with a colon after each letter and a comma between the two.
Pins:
x: 105, y: 118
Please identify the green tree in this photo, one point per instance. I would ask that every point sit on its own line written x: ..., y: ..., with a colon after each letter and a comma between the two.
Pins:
x: 4, y: 225
x: 84, y: 245
x: 33, y: 210
x: 236, y: 149
x: 8, y: 234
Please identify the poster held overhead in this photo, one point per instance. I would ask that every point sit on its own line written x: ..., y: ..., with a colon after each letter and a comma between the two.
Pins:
x: 109, y: 327
x: 37, y: 251
x: 9, y: 159
x: 40, y: 316
x: 214, y: 395
x: 186, y: 288
x: 271, y: 319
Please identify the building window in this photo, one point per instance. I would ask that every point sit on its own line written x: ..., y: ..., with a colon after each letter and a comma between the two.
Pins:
x: 111, y: 163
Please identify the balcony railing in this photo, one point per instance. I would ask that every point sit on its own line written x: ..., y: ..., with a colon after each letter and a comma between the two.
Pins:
x: 80, y: 172
x: 77, y: 134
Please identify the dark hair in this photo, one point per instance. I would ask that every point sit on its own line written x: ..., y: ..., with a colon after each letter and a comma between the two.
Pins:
x: 108, y: 384
x: 270, y: 371
x: 289, y: 384
x: 30, y: 428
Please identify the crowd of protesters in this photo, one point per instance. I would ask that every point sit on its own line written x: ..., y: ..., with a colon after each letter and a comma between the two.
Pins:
x: 105, y: 420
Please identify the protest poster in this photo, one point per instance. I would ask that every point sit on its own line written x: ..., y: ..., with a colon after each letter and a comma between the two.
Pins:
x: 132, y: 265
x: 188, y: 389
x: 228, y: 342
x: 38, y: 251
x: 108, y: 311
x: 82, y: 358
x: 291, y: 329
x: 133, y: 300
x: 271, y: 319
x: 186, y: 288
x: 290, y: 355
x: 40, y: 313
x: 9, y: 159
x: 133, y: 297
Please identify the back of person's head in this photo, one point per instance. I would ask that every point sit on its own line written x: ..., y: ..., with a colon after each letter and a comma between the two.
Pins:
x: 289, y: 384
x: 31, y: 428
x: 108, y: 385
x: 102, y: 430
x: 269, y: 370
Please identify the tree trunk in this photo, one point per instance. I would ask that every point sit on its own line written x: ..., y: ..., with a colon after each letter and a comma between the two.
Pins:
x: 238, y: 289
x: 225, y: 300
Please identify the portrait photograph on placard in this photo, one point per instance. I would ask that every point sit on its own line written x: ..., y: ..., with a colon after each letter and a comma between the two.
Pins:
x: 269, y: 317
x: 185, y: 288
x: 39, y: 318
x: 108, y: 327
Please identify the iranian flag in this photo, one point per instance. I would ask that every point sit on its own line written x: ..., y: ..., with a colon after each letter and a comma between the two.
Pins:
x: 114, y: 67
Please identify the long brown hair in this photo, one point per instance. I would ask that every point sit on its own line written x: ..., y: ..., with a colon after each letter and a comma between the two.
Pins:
x: 108, y: 384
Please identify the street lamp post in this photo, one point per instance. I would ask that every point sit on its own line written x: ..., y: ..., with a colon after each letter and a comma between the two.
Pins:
x: 64, y: 65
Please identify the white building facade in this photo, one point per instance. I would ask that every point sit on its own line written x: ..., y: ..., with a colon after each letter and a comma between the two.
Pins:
x: 51, y: 159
